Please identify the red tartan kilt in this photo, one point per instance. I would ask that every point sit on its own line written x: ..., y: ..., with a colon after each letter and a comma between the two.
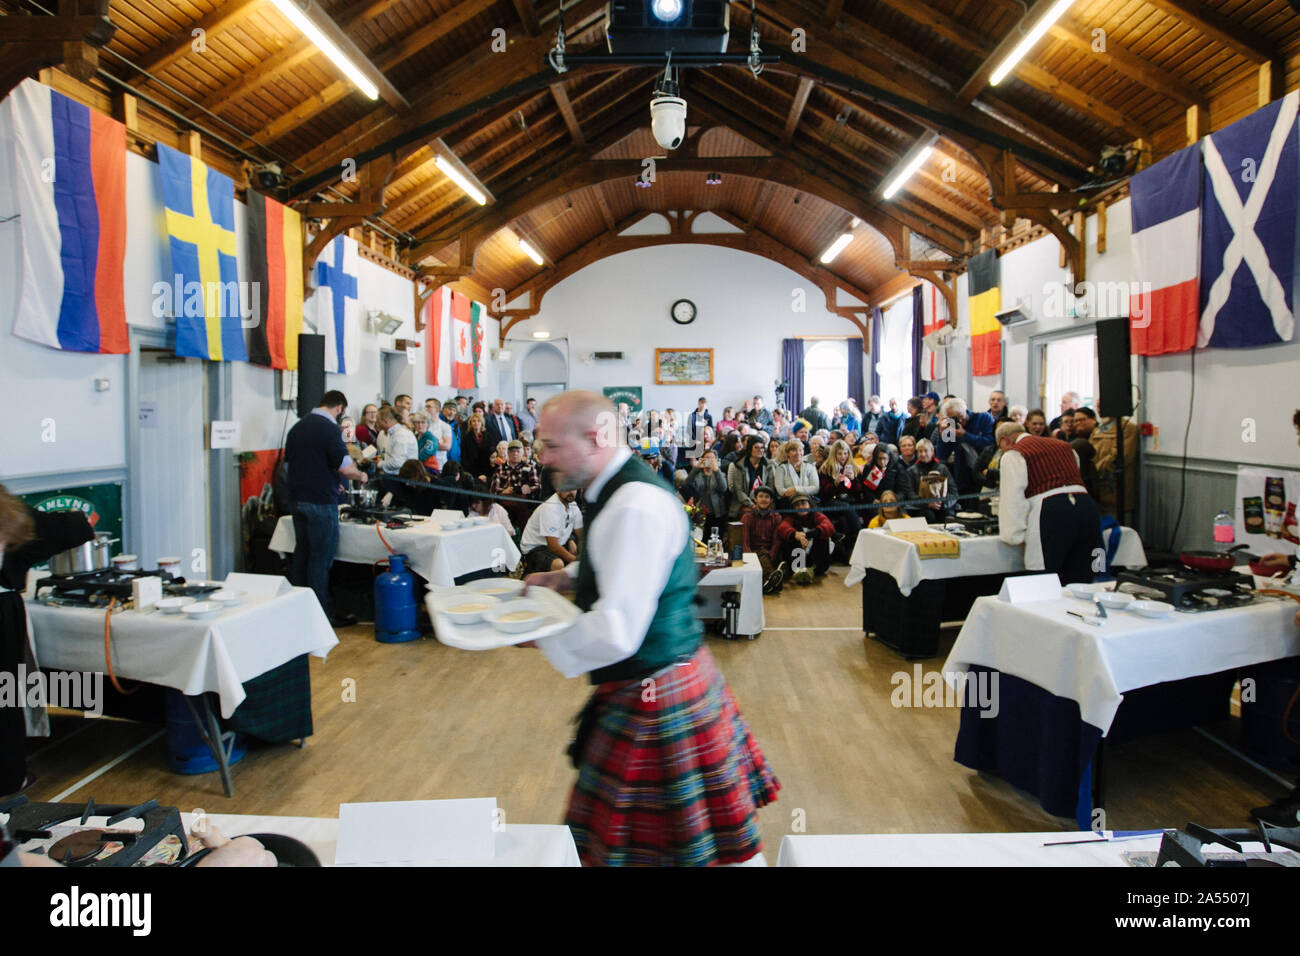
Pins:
x: 674, y: 780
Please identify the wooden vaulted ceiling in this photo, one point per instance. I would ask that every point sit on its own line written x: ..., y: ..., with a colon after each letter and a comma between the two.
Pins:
x: 802, y: 148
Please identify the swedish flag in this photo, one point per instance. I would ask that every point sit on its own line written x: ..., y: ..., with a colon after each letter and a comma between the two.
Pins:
x: 200, y: 208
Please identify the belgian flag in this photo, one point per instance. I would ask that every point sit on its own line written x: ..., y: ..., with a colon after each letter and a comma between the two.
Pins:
x: 275, y: 265
x: 983, y: 289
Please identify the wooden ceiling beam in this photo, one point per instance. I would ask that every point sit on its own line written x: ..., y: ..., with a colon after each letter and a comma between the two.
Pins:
x: 528, y: 16
x: 1075, y: 98
x: 796, y: 109
x: 566, y: 110
x: 450, y: 96
x: 159, y: 59
x: 979, y: 80
x: 751, y: 130
x: 602, y: 203
x: 1243, y: 41
x: 1138, y: 69
x: 71, y: 38
x: 288, y: 58
x: 952, y: 30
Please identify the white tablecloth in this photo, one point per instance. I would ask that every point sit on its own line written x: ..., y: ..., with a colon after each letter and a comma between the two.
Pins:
x: 957, y: 849
x: 983, y: 555
x: 436, y: 555
x: 217, y: 654
x: 1094, y: 666
x: 517, y: 844
x: 748, y: 580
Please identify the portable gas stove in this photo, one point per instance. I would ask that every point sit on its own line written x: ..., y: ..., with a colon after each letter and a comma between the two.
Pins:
x: 982, y: 525
x: 389, y: 517
x: 115, y: 835
x: 76, y: 834
x: 1191, y: 591
x: 97, y: 588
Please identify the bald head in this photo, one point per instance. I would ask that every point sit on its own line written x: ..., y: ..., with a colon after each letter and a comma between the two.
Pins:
x: 578, y: 411
x: 580, y: 436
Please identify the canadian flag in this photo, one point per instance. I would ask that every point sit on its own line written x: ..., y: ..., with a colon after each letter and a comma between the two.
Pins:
x: 462, y: 337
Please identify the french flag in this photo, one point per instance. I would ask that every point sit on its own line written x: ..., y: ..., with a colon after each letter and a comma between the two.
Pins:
x: 68, y: 180
x: 1166, y: 254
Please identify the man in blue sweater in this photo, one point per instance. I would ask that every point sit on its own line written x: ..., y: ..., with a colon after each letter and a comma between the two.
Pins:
x: 316, y: 460
x: 962, y: 436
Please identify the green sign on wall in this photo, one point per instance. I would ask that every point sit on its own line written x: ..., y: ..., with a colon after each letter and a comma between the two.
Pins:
x: 629, y: 396
x: 102, y: 505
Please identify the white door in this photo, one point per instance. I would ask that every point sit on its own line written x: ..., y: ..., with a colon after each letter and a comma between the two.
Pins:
x: 1069, y: 365
x: 173, y: 476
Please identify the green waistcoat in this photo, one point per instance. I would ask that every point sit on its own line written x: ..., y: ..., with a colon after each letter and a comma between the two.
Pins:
x: 675, y: 629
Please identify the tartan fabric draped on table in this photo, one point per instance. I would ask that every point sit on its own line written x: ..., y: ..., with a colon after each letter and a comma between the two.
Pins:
x: 671, y: 775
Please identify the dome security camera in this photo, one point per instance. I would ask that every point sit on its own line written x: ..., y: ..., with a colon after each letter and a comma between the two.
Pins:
x: 668, y: 120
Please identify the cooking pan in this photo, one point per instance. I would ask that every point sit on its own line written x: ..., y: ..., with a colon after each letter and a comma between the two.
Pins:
x: 91, y: 555
x: 1211, y: 560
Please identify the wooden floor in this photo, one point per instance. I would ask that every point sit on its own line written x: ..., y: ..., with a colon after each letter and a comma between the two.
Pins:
x: 433, y: 722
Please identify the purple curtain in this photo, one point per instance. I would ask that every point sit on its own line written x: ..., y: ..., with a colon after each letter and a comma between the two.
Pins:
x: 918, y: 334
x: 855, y: 372
x: 792, y: 373
x: 877, y: 334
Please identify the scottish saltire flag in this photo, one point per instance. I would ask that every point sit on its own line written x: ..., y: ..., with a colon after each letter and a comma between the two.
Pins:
x: 200, y: 214
x: 336, y: 310
x: 1166, y: 251
x: 1248, y: 232
x: 66, y: 186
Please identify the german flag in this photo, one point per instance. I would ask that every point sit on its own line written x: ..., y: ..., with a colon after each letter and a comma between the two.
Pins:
x: 984, y: 296
x: 275, y: 265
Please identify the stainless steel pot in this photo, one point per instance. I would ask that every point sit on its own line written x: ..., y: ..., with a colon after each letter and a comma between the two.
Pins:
x: 92, y: 555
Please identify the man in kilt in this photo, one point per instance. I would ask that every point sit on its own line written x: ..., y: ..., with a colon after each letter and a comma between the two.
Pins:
x: 668, y: 772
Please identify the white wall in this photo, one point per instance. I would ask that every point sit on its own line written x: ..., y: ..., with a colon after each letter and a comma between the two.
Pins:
x: 745, y: 308
x: 1231, y: 384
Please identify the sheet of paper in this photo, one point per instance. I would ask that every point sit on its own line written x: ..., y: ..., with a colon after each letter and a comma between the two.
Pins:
x: 1024, y: 589
x: 416, y: 830
x: 257, y: 585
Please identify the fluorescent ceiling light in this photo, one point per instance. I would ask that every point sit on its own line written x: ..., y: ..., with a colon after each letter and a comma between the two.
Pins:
x: 920, y: 153
x: 836, y: 247
x: 452, y: 172
x: 541, y: 335
x: 1026, y: 44
x: 530, y: 252
x: 326, y: 46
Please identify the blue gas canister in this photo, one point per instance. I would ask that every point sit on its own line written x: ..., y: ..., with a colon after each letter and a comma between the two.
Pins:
x: 395, y: 608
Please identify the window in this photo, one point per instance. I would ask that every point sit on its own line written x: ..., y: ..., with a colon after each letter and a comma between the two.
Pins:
x: 893, y: 358
x: 826, y: 373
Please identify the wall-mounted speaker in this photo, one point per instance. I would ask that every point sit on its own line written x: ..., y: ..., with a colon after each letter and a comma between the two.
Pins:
x: 311, y: 372
x: 1115, y: 381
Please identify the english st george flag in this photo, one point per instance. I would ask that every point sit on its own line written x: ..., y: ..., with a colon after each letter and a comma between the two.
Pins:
x: 1248, y: 238
x: 67, y: 167
x: 275, y: 272
x: 1166, y: 215
x: 984, y: 293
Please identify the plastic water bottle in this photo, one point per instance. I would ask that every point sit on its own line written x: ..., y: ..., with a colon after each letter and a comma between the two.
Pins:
x: 1225, y: 532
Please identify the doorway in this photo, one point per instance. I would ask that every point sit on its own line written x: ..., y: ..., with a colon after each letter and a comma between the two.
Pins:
x: 397, y: 376
x: 1064, y: 362
x: 173, y: 463
x: 544, y: 372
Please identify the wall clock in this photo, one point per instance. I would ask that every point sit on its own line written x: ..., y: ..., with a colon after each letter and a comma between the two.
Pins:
x: 683, y: 311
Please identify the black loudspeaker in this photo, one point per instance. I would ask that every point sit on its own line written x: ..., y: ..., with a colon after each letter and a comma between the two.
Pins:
x: 1116, y: 382
x: 311, y: 372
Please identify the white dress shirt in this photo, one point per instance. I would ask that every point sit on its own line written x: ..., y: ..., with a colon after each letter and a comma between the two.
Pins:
x: 551, y: 519
x: 441, y: 433
x: 401, y: 447
x: 641, y: 531
x: 1017, y: 515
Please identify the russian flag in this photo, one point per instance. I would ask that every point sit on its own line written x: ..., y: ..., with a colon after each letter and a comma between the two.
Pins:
x: 68, y: 176
x: 1166, y: 212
